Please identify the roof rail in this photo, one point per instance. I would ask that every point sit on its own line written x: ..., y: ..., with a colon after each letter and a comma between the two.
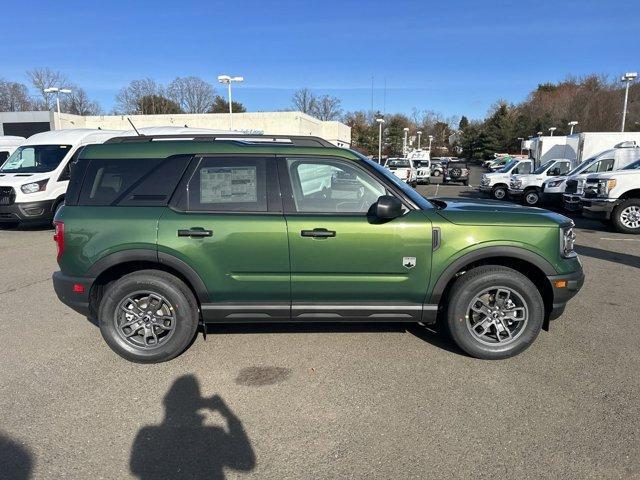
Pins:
x: 293, y: 140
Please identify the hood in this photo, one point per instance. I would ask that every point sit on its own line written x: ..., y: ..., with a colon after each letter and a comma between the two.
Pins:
x: 18, y: 179
x: 491, y: 212
x: 495, y: 174
x: 614, y: 173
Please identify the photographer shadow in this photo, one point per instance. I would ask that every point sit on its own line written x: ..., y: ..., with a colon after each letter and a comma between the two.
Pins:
x: 182, y: 446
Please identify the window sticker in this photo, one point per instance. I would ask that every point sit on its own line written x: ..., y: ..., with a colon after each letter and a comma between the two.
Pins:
x: 228, y: 185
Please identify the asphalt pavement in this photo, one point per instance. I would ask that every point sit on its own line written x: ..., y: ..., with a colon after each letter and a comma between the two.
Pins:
x: 322, y: 401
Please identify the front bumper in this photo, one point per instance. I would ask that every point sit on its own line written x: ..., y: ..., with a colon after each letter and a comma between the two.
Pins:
x: 27, y: 212
x: 599, y: 208
x: 485, y: 188
x: 64, y: 288
x: 515, y: 192
x: 561, y: 295
x: 551, y: 198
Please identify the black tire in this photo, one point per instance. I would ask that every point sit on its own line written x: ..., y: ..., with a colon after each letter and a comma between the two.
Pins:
x: 531, y: 197
x: 436, y: 173
x: 455, y: 173
x: 474, y: 282
x: 178, y: 296
x: 621, y: 218
x: 499, y: 192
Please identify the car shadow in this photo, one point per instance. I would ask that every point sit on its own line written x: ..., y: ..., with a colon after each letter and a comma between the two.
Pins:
x: 424, y: 333
x: 16, y: 461
x: 183, y: 446
x: 609, y: 256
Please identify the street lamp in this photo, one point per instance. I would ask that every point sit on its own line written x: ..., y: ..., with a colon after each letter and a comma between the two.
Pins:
x: 572, y: 124
x: 430, y: 140
x: 552, y: 129
x: 627, y: 78
x: 419, y: 137
x: 380, y: 122
x: 539, y: 134
x: 521, y: 140
x: 57, y: 91
x: 229, y: 80
x: 405, y: 145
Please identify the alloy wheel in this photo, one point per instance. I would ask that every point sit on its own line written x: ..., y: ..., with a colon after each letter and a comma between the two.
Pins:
x: 497, y: 316
x: 145, y: 320
x: 630, y: 217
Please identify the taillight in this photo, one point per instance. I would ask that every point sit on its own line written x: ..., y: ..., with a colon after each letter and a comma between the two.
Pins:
x: 58, y: 237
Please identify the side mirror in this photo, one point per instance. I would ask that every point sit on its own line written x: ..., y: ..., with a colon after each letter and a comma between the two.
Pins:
x: 388, y: 207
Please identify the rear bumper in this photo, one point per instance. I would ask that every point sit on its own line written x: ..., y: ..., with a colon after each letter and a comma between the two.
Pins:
x: 561, y: 296
x: 598, y: 208
x: 64, y: 288
x: 27, y: 212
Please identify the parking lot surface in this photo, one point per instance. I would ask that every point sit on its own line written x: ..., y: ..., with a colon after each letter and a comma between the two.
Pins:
x: 322, y: 401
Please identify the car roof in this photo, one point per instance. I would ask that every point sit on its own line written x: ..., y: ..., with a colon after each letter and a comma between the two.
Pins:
x: 166, y: 148
x: 72, y: 136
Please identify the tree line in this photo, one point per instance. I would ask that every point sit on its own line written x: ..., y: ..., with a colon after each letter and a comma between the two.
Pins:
x: 593, y: 101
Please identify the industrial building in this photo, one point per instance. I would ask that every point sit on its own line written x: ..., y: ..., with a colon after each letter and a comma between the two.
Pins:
x: 25, y: 124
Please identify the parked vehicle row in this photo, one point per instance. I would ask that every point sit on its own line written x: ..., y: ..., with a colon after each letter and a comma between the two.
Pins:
x: 606, y: 186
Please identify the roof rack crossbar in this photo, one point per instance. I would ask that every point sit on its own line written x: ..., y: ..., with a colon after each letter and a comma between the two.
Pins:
x: 293, y: 140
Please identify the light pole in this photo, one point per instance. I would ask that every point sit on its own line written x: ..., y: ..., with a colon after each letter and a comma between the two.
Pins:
x: 380, y: 122
x: 521, y: 140
x: 229, y: 80
x: 430, y: 140
x: 627, y: 78
x: 405, y: 145
x: 572, y: 124
x: 419, y: 138
x: 57, y: 91
x: 539, y: 134
x: 552, y: 129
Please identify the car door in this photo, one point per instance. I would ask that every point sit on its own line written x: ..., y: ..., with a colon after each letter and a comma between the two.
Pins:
x: 345, y: 263
x: 226, y: 223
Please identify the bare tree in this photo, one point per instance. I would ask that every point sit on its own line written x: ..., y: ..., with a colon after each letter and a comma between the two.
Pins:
x: 304, y: 100
x: 14, y: 97
x: 129, y: 99
x: 193, y: 94
x: 78, y: 103
x: 327, y: 108
x: 43, y: 78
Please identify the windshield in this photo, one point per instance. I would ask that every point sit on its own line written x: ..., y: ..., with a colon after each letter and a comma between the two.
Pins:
x: 398, y: 163
x: 583, y: 166
x: 422, y: 163
x: 544, y: 166
x: 418, y: 199
x: 35, y: 159
x: 510, y: 164
x: 634, y: 166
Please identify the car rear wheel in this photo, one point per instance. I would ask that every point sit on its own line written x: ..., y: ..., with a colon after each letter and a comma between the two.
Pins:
x: 499, y: 192
x: 148, y: 316
x: 532, y: 197
x: 626, y: 216
x: 494, y: 312
x: 436, y: 173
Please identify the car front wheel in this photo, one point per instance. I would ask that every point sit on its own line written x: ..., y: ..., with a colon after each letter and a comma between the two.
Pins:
x: 626, y: 216
x: 494, y: 312
x: 499, y: 192
x: 148, y: 316
x: 531, y: 197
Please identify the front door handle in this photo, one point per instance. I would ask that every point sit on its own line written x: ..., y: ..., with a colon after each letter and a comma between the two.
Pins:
x: 318, y: 233
x: 195, y: 232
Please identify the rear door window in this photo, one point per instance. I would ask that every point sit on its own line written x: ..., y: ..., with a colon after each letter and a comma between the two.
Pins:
x: 131, y: 182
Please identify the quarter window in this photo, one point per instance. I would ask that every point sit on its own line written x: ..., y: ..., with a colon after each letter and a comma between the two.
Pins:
x: 331, y: 186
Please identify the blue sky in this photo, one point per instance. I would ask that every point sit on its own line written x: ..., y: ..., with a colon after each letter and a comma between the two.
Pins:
x: 452, y: 57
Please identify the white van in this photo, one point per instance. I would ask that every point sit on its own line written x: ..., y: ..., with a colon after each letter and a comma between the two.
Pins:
x: 34, y: 179
x: 8, y: 144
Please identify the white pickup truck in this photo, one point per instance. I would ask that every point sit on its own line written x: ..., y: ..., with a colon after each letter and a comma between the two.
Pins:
x: 607, y: 161
x: 404, y: 169
x: 496, y: 184
x: 614, y: 197
x: 528, y: 188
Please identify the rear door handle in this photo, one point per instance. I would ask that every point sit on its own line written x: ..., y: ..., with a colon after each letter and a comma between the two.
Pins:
x: 195, y: 232
x: 318, y: 233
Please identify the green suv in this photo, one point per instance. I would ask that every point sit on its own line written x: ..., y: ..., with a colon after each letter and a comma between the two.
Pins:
x: 159, y: 235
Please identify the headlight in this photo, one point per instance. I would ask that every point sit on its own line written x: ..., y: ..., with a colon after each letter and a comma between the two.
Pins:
x: 34, y: 186
x: 605, y: 186
x: 555, y: 183
x: 567, y: 241
x: 516, y: 183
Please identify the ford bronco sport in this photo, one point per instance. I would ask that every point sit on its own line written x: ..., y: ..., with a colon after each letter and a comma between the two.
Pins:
x: 159, y: 236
